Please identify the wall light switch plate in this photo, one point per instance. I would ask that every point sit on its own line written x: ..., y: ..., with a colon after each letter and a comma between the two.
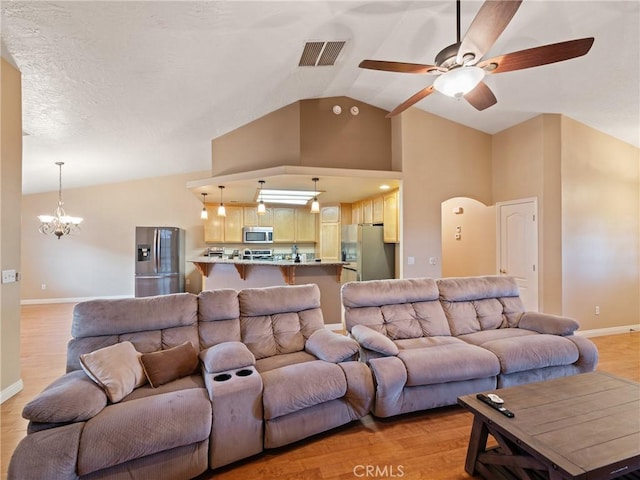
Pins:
x: 9, y: 276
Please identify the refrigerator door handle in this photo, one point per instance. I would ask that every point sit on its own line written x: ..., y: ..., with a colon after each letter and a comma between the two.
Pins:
x: 156, y: 249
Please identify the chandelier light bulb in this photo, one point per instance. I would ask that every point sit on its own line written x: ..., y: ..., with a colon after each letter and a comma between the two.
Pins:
x: 459, y: 81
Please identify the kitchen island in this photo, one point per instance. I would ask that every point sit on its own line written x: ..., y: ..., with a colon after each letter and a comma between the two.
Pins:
x: 238, y: 274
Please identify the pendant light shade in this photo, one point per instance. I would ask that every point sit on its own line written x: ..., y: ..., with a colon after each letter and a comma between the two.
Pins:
x: 204, y: 215
x: 222, y: 212
x: 315, y: 206
x: 262, y: 209
x: 60, y: 223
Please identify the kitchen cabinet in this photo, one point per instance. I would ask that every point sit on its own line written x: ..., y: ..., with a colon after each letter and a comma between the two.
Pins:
x: 252, y: 219
x: 330, y: 214
x: 391, y: 231
x: 367, y: 211
x: 329, y: 244
x: 378, y: 209
x: 223, y: 229
x: 284, y: 227
x: 330, y: 241
x: 356, y: 213
x: 305, y: 228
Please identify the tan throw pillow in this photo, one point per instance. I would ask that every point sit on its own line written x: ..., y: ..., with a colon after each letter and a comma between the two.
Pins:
x: 116, y: 368
x: 165, y: 366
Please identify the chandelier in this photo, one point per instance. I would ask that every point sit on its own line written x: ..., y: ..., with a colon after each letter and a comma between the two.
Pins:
x: 59, y: 224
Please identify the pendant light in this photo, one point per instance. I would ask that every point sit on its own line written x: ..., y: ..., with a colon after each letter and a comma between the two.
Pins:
x: 204, y: 215
x: 261, y: 207
x: 222, y: 212
x: 315, y: 206
x: 60, y: 223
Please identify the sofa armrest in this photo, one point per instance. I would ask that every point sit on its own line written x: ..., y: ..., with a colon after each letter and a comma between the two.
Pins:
x: 74, y: 397
x: 226, y: 356
x: 331, y: 346
x: 372, y: 340
x: 547, y: 323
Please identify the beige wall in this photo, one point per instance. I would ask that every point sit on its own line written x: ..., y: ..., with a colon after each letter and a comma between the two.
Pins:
x: 10, y: 205
x: 269, y: 141
x: 360, y: 141
x: 308, y: 133
x: 99, y: 260
x: 474, y: 253
x: 525, y: 164
x: 600, y: 223
x: 440, y: 160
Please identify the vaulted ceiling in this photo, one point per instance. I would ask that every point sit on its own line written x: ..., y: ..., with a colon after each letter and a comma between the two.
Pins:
x: 124, y: 90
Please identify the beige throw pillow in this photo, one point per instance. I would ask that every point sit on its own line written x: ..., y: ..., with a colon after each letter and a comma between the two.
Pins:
x: 116, y: 368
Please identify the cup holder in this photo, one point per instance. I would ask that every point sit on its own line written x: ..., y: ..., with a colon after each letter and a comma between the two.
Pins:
x: 223, y: 377
x: 245, y: 372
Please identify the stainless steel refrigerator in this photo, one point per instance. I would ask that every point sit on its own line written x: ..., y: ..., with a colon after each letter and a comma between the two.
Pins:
x: 368, y: 256
x: 159, y: 261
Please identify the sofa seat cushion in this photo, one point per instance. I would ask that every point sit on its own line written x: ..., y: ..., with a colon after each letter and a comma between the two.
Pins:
x: 422, y: 342
x: 295, y: 387
x: 529, y: 352
x: 137, y: 428
x: 480, y: 338
x: 448, y: 363
x: 184, y: 383
x: 279, y: 361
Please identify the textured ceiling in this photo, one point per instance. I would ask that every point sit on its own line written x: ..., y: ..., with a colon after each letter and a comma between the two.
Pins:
x: 123, y: 90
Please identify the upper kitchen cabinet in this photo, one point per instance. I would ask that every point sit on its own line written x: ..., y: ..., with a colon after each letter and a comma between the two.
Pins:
x: 330, y: 214
x: 329, y: 247
x: 391, y: 231
x: 378, y: 210
x: 367, y: 211
x: 252, y: 219
x: 284, y: 228
x: 224, y: 229
x: 306, y: 230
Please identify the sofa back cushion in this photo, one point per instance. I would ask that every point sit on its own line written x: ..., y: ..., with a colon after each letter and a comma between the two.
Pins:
x: 279, y: 320
x: 472, y: 304
x: 397, y: 308
x: 149, y: 323
x: 218, y: 317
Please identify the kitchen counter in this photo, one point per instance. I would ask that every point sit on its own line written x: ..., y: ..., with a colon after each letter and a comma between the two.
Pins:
x: 235, y: 273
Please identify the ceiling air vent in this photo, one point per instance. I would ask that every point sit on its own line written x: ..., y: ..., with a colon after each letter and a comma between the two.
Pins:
x: 316, y: 54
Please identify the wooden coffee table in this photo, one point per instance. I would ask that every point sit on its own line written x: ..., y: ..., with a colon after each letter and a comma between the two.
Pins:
x: 583, y: 427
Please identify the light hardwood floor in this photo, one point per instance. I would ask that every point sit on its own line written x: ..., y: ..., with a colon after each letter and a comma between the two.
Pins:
x: 428, y: 445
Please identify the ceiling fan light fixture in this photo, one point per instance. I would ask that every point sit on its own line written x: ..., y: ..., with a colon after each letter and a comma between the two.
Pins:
x: 459, y: 81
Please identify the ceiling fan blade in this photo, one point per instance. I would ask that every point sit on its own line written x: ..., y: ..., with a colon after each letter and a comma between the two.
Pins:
x: 490, y: 21
x: 481, y: 97
x: 410, y: 101
x: 533, y: 57
x: 400, y: 67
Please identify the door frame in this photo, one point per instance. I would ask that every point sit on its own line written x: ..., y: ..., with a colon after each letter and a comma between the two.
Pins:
x: 536, y: 239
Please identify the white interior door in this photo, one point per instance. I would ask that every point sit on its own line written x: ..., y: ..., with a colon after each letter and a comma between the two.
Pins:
x: 518, y: 247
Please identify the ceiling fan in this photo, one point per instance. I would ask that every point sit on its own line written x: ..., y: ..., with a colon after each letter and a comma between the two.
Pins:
x: 459, y: 68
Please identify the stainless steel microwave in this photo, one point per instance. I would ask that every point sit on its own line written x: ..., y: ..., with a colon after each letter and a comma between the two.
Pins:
x: 257, y: 234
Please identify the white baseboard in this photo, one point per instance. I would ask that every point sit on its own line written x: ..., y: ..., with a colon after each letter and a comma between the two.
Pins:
x: 11, y: 390
x: 599, y: 332
x: 42, y: 301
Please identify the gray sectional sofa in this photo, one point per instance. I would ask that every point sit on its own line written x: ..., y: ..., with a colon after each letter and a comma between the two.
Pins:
x: 167, y: 387
x: 429, y: 341
x: 183, y: 383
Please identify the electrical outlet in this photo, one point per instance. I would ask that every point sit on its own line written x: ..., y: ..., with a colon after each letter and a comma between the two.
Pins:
x: 432, y: 260
x: 43, y: 286
x: 411, y: 260
x: 9, y: 276
x: 597, y: 309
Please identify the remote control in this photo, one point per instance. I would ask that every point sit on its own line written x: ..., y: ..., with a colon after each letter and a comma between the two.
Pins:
x: 494, y: 405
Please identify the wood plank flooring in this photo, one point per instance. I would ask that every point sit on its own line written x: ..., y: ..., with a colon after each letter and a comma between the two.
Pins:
x: 428, y: 445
